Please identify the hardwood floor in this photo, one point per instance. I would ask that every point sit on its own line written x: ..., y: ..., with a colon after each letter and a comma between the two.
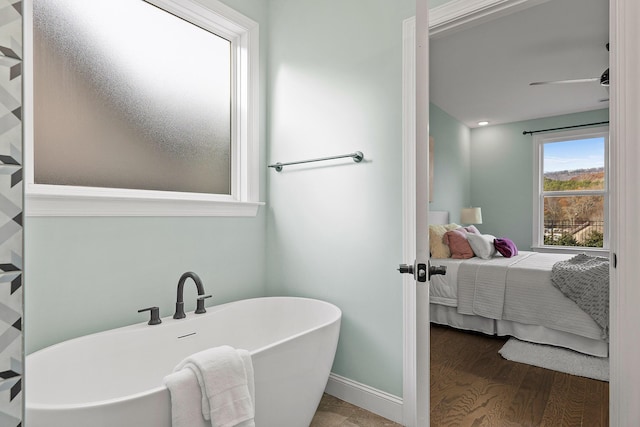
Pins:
x: 333, y: 412
x: 472, y: 385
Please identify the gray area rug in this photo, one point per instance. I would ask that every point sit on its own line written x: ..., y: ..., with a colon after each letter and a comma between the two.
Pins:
x: 557, y: 359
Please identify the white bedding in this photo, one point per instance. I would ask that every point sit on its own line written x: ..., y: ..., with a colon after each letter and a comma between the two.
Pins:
x: 481, y: 285
x: 532, y: 310
x: 443, y: 289
x: 514, y: 289
x: 531, y: 298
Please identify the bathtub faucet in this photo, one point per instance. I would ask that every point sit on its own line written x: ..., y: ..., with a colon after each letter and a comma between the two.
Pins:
x: 180, y: 299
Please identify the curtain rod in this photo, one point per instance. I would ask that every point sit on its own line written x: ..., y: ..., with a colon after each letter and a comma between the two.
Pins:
x: 531, y: 132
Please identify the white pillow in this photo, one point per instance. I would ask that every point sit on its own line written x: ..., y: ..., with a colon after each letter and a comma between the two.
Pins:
x: 482, y: 245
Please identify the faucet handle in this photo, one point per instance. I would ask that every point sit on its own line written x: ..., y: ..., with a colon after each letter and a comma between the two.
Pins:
x: 155, y: 315
x: 200, y: 304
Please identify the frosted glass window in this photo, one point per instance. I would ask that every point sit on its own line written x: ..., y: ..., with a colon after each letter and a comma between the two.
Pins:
x: 130, y: 96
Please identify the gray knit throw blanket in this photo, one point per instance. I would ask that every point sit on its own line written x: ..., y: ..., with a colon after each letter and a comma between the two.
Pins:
x: 585, y: 280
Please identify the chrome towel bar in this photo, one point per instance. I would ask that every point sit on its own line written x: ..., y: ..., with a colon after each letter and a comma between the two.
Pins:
x: 357, y: 157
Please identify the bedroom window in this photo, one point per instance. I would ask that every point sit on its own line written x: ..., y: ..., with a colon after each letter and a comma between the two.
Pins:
x: 153, y: 116
x: 572, y: 195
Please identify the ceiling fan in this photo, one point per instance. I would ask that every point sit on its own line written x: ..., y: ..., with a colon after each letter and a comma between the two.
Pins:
x: 603, y: 79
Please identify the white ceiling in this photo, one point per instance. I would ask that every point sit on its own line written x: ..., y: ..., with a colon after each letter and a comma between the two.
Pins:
x: 483, y: 72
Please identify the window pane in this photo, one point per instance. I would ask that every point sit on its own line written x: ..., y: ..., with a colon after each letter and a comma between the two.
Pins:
x: 574, y: 221
x: 138, y: 99
x: 574, y: 165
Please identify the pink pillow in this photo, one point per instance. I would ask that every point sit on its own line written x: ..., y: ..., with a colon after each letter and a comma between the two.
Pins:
x: 458, y: 244
x: 437, y: 247
x: 471, y: 229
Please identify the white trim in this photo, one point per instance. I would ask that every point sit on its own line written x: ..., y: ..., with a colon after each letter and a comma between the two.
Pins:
x: 460, y: 14
x: 570, y: 250
x: 27, y: 93
x: 373, y: 400
x: 54, y: 200
x: 421, y: 177
x: 47, y: 205
x: 624, y: 385
x: 226, y: 19
x: 409, y: 368
x: 538, y: 205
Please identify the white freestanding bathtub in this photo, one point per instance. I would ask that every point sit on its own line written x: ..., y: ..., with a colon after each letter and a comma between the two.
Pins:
x: 114, y: 378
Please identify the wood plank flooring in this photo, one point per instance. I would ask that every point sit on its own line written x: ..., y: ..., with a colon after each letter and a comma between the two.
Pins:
x: 472, y: 385
x: 333, y: 412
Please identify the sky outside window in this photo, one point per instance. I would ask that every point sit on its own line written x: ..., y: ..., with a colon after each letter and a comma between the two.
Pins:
x: 574, y: 154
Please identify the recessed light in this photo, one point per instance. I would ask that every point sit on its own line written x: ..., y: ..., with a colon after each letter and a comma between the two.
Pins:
x: 483, y: 123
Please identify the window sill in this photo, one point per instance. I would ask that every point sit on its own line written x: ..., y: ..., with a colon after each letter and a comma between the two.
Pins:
x: 571, y: 250
x: 132, y: 203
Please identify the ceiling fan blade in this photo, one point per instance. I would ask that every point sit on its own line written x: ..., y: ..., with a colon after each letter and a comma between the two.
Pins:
x: 555, y: 82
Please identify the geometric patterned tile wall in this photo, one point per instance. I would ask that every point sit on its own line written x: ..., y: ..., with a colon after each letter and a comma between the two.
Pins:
x: 11, y: 253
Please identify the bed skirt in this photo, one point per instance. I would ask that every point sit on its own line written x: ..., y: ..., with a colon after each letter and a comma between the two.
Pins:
x: 449, y: 316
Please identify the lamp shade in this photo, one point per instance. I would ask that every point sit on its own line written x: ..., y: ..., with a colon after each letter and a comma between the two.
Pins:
x: 471, y: 216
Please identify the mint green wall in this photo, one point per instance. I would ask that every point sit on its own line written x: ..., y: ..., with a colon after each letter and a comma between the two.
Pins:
x: 502, y: 173
x: 334, y: 229
x: 84, y: 275
x: 452, y: 163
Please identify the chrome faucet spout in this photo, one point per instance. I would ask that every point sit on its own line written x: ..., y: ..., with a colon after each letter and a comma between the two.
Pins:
x: 179, y: 314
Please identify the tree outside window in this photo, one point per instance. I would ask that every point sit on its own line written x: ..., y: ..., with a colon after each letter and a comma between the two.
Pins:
x: 573, y: 192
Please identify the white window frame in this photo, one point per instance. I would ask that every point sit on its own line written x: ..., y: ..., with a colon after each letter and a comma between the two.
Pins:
x: 538, y: 194
x: 62, y: 200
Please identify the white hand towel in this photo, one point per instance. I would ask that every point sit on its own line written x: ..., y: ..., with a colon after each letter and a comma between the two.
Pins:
x: 245, y: 356
x: 225, y: 376
x: 186, y: 399
x: 248, y: 368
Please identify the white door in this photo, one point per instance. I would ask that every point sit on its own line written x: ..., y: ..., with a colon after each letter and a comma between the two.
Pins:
x: 415, y: 218
x: 625, y: 106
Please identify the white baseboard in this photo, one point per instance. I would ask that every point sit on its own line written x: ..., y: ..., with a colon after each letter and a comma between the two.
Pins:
x: 373, y: 400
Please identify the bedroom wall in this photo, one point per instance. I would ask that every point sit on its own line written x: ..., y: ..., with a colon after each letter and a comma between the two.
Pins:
x: 334, y: 229
x: 86, y: 275
x: 452, y: 163
x: 502, y: 173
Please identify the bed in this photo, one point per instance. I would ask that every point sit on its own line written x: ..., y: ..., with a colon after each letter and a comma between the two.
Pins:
x: 511, y: 296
